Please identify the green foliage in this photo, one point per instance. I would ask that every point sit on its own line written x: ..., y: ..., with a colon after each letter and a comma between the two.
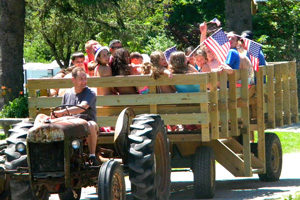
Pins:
x: 18, y: 108
x: 277, y: 24
x: 160, y: 42
x: 184, y: 16
x: 65, y: 26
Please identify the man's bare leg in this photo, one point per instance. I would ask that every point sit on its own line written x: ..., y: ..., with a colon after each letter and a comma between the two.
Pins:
x: 92, y: 138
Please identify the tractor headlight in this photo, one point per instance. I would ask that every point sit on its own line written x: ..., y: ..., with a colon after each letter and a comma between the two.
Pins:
x: 75, y: 144
x: 20, y: 147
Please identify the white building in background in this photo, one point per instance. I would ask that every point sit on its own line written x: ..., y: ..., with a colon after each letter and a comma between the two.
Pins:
x: 40, y: 70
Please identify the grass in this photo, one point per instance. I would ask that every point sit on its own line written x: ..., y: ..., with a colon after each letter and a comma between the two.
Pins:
x: 290, y: 141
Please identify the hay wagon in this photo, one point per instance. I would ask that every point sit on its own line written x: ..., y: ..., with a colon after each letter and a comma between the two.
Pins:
x: 231, y: 118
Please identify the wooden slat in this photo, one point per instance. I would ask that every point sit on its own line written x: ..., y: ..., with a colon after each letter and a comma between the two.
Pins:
x: 44, y: 102
x: 170, y: 119
x: 286, y: 94
x: 146, y: 99
x: 270, y: 96
x: 153, y: 107
x: 223, y: 106
x: 112, y: 81
x: 214, y: 113
x: 204, y: 109
x: 227, y: 158
x: 293, y: 92
x: 278, y: 95
x: 232, y: 104
x: 245, y: 131
x: 31, y: 107
x: 260, y: 115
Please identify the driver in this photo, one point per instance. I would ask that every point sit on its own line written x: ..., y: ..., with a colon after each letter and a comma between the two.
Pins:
x: 82, y: 96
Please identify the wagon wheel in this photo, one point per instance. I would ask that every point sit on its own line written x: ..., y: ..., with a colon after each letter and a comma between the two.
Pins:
x: 273, y: 158
x: 111, y: 183
x: 204, y: 173
x: 149, y: 160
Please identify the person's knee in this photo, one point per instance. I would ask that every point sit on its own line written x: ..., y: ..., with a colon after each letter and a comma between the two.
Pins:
x: 93, y: 126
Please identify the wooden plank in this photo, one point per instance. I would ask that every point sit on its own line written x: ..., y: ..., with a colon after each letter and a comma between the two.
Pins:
x: 170, y: 119
x: 120, y: 80
x: 227, y: 158
x: 214, y: 113
x: 286, y: 94
x: 153, y: 107
x: 162, y: 109
x: 184, y: 137
x: 31, y: 105
x: 148, y: 99
x: 245, y: 131
x: 223, y: 106
x: 293, y: 92
x: 44, y: 102
x: 205, y: 136
x: 232, y: 105
x: 260, y: 115
x: 270, y: 96
x: 278, y: 95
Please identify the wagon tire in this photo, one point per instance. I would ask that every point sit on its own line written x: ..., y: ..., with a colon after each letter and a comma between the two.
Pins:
x: 149, y: 160
x: 273, y: 158
x: 111, y: 182
x: 204, y: 173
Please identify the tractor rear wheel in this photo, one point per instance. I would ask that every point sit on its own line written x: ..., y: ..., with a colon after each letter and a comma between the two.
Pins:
x: 149, y: 160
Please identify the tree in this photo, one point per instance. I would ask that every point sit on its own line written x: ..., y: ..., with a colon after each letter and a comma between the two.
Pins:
x: 183, y: 18
x: 238, y: 15
x: 277, y: 27
x: 66, y: 25
x: 12, y: 19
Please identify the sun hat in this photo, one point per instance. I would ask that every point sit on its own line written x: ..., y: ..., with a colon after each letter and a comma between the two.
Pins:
x: 98, y: 48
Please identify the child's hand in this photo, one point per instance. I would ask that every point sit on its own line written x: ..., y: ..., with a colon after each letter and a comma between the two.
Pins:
x: 169, y: 73
x: 203, y: 28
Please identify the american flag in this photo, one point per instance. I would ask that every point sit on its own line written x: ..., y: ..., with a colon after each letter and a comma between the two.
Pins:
x: 169, y: 51
x: 219, y: 44
x: 215, y: 20
x: 253, y: 48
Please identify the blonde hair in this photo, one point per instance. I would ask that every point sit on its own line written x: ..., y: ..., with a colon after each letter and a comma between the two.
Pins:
x: 178, y: 62
x: 201, y: 52
x: 148, y: 68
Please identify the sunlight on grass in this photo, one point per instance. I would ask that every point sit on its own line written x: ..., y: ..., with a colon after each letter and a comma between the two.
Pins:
x: 290, y: 142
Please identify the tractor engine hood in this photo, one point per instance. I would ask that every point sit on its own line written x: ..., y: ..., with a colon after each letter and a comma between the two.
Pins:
x: 58, y: 130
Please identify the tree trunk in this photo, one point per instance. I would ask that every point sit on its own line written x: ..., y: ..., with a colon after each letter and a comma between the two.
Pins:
x: 238, y: 15
x: 12, y: 20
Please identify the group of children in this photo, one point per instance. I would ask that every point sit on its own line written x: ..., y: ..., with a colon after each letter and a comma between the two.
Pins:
x: 115, y: 60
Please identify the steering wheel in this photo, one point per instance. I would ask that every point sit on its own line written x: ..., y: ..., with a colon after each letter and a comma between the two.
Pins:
x: 65, y: 107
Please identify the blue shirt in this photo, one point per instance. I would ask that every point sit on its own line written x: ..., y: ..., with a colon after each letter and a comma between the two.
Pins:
x: 233, y: 59
x: 187, y: 88
x: 261, y: 57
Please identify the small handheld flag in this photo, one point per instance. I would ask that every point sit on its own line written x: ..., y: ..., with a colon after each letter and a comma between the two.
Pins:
x: 216, y: 21
x: 219, y: 44
x: 169, y: 51
x: 253, y: 48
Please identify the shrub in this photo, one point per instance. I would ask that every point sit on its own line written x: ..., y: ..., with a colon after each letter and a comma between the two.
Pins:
x: 18, y: 108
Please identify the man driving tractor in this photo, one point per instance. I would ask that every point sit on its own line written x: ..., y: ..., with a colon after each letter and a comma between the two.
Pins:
x: 80, y: 96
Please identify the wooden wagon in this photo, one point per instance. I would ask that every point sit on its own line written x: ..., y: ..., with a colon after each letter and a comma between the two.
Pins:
x: 232, y: 118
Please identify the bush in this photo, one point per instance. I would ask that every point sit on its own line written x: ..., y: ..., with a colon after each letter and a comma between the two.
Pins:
x: 18, y: 108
